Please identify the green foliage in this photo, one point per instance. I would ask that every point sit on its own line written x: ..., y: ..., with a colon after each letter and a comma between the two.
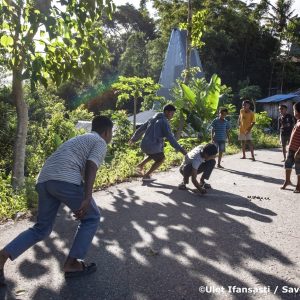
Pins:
x: 198, y: 28
x: 135, y: 87
x: 263, y: 120
x: 10, y: 202
x: 231, y: 108
x: 198, y: 102
x: 53, y: 42
x: 122, y: 131
x: 7, y: 129
x: 134, y: 59
x: 121, y: 167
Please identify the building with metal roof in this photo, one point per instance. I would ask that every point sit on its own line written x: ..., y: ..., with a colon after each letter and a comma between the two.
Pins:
x: 272, y: 103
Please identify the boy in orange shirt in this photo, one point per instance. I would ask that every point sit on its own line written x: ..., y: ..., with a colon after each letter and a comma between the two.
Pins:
x: 294, y: 153
x: 246, y: 122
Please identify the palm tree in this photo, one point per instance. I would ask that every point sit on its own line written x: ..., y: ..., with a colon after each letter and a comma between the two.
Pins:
x: 278, y: 19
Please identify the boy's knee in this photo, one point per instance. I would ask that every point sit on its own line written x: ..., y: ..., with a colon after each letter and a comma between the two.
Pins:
x: 41, y: 231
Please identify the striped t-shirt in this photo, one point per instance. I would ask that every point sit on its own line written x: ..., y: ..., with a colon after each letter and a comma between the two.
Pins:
x: 67, y: 163
x: 220, y: 128
x: 295, y: 138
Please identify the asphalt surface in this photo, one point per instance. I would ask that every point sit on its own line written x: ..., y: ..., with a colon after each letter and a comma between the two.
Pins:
x: 156, y: 242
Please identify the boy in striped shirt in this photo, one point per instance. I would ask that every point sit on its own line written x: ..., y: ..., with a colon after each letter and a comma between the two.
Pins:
x: 293, y: 157
x: 220, y: 132
x: 67, y: 177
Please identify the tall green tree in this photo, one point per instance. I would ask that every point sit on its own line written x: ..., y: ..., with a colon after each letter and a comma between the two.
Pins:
x: 278, y: 19
x: 133, y: 61
x: 46, y: 40
x: 135, y: 88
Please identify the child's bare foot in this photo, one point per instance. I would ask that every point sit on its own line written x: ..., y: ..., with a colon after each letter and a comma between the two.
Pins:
x: 140, y: 171
x: 243, y: 157
x: 285, y: 184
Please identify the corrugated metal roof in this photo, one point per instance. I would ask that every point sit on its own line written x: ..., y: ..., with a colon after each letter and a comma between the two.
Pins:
x: 143, y: 116
x: 278, y: 98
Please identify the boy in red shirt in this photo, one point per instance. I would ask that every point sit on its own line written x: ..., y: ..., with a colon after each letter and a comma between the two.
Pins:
x: 294, y: 153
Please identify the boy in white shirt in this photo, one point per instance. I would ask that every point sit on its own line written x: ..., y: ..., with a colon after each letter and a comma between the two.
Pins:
x: 201, y: 159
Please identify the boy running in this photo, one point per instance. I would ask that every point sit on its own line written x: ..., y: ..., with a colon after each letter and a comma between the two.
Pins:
x: 155, y: 130
x: 246, y: 121
x: 220, y: 132
x: 201, y: 159
x: 285, y: 125
x: 61, y: 182
x: 293, y: 157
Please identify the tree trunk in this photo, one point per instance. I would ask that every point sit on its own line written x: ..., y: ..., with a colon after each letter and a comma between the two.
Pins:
x: 21, y: 132
x: 187, y: 64
x: 134, y: 113
x: 283, y: 67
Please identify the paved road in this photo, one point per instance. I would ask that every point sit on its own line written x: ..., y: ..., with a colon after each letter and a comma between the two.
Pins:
x: 156, y: 242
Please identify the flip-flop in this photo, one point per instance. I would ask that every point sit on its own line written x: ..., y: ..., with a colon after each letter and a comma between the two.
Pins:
x: 182, y: 187
x: 206, y: 185
x: 87, y: 269
x: 2, y: 278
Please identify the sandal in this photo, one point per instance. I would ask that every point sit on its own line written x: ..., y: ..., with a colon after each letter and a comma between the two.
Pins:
x: 86, y: 270
x: 206, y: 185
x: 2, y: 278
x: 182, y: 186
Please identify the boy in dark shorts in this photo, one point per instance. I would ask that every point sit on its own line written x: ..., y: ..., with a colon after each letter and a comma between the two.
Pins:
x: 293, y: 157
x: 154, y: 131
x: 285, y: 125
x: 220, y: 133
x: 199, y: 160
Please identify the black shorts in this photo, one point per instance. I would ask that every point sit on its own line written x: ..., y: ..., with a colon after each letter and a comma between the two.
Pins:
x: 157, y: 157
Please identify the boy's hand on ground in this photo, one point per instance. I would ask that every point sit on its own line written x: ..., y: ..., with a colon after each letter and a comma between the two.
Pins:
x: 81, y: 212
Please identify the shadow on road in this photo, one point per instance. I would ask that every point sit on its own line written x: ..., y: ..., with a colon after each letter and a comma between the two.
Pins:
x: 259, y: 177
x: 164, y: 249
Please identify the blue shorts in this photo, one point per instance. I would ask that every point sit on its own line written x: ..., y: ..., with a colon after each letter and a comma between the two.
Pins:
x: 290, y: 162
x: 220, y: 145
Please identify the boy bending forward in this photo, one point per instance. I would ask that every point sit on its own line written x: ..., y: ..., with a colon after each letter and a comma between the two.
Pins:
x: 199, y: 160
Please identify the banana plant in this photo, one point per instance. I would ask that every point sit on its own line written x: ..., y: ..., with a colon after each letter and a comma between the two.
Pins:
x: 199, y: 101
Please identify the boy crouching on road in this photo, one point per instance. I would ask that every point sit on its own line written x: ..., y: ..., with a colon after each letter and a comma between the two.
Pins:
x: 199, y: 160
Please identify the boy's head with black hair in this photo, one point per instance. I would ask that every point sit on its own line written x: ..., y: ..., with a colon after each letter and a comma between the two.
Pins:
x: 297, y: 110
x: 169, y: 111
x: 103, y: 126
x: 223, y: 112
x: 209, y: 151
x: 282, y: 109
x: 246, y: 105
